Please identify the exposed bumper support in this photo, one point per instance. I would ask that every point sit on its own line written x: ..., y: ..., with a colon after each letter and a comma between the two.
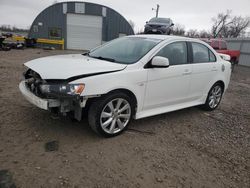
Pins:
x: 62, y: 105
x: 39, y: 102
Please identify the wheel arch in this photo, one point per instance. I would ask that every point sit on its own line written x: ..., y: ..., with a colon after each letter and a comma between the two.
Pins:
x: 127, y: 91
x: 206, y: 103
x: 123, y: 90
x: 221, y: 83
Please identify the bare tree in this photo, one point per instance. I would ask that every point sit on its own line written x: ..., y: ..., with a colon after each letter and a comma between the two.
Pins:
x: 204, y: 34
x: 193, y: 33
x: 238, y: 26
x: 225, y: 25
x: 132, y: 24
x: 9, y: 28
x: 220, y: 22
x: 179, y: 29
x: 247, y: 34
x: 140, y: 32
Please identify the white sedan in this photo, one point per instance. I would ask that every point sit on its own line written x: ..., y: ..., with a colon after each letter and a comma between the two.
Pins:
x: 130, y: 77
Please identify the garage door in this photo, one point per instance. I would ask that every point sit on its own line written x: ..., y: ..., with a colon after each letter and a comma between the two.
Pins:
x: 84, y: 32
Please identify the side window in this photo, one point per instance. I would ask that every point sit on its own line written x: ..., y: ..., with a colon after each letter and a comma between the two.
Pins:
x: 200, y: 53
x: 35, y: 28
x: 175, y: 52
x: 212, y: 57
x: 55, y: 33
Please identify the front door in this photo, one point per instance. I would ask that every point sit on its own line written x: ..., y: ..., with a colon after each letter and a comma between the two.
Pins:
x: 169, y: 86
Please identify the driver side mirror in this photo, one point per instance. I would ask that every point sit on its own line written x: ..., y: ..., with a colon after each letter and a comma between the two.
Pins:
x: 160, y: 62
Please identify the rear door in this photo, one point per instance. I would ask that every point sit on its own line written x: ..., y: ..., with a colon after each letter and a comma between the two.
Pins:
x: 204, y: 68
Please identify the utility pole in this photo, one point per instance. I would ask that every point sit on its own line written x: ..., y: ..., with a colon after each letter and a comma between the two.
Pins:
x: 157, y: 10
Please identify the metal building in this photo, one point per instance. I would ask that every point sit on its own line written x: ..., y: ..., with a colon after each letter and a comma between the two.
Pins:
x: 81, y: 25
x: 243, y: 45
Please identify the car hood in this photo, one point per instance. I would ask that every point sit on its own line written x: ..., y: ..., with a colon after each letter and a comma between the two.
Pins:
x: 68, y: 66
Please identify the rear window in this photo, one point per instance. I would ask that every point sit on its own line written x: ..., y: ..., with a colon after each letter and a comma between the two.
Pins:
x: 212, y: 57
x: 202, y: 54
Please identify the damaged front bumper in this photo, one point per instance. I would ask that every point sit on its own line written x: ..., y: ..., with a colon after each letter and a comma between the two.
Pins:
x: 61, y: 105
x: 39, y: 102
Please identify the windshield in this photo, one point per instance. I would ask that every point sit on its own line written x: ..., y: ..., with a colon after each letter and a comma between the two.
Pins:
x: 126, y: 50
x: 160, y: 20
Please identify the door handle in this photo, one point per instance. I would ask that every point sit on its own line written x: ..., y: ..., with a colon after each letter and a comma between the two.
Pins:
x: 186, y: 72
x: 214, y: 68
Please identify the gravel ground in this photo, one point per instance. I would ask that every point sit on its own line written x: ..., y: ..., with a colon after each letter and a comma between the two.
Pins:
x: 186, y: 148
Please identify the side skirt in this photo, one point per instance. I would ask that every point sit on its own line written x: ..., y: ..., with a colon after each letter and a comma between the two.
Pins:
x: 162, y: 110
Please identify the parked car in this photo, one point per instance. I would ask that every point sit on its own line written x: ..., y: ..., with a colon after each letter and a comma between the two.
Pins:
x: 159, y: 26
x: 3, y: 46
x: 128, y: 78
x: 7, y: 35
x: 221, y: 47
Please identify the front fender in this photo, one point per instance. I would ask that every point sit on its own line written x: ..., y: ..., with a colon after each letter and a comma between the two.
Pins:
x: 132, y: 80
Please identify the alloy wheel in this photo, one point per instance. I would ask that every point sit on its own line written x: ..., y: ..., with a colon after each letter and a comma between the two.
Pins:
x: 215, y: 97
x: 115, y: 115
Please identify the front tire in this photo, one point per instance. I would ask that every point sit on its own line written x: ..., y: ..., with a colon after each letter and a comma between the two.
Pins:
x: 214, y: 97
x: 110, y: 115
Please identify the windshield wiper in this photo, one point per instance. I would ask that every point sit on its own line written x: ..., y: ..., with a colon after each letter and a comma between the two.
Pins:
x: 86, y: 53
x: 104, y: 58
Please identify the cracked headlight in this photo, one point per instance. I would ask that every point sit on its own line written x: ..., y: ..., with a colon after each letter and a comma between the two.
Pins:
x: 67, y: 89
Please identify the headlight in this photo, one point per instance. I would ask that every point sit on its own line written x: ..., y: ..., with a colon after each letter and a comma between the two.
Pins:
x: 68, y: 89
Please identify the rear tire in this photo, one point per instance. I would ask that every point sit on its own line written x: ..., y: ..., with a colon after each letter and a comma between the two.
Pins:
x: 214, y: 97
x: 111, y: 114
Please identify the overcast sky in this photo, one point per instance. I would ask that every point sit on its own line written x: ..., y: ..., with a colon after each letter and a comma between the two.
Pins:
x: 195, y: 14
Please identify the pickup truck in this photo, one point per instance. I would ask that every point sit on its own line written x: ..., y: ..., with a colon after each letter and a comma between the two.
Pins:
x: 220, y: 46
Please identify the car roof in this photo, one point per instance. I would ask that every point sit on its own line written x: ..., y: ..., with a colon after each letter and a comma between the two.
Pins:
x: 160, y: 18
x: 164, y: 37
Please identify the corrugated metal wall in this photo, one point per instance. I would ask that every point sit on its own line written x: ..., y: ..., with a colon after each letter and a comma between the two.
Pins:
x: 54, y: 16
x: 243, y: 45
